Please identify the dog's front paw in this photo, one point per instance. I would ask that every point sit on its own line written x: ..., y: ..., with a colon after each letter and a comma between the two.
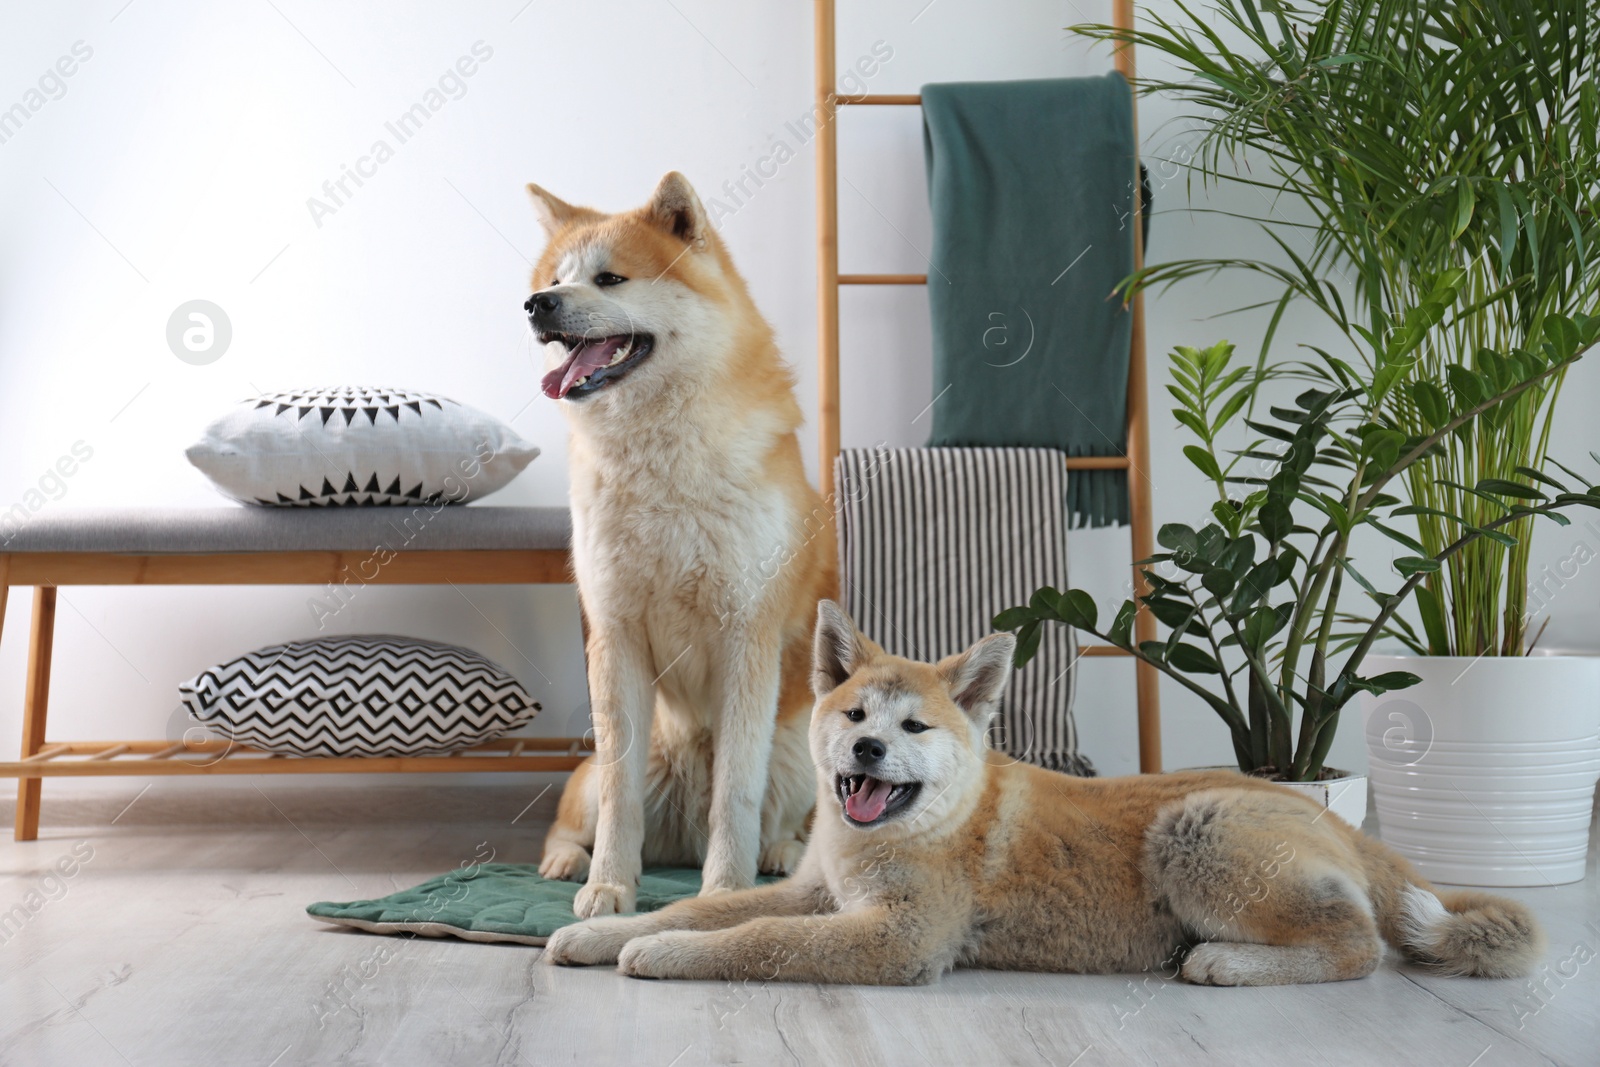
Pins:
x: 782, y: 857
x: 1219, y: 964
x: 588, y: 943
x: 564, y: 862
x: 718, y: 877
x: 602, y: 898
x: 668, y: 955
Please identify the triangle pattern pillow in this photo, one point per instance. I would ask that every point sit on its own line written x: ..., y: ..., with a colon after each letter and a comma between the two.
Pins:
x: 358, y: 445
x: 365, y: 695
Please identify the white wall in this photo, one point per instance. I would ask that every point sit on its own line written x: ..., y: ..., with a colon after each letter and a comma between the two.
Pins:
x: 178, y: 162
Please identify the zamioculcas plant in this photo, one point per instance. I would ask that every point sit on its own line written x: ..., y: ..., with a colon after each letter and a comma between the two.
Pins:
x: 1251, y: 599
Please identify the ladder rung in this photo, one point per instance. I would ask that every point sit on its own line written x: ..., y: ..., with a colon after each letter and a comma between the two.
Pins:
x: 111, y: 753
x: 880, y: 98
x: 1101, y: 650
x: 170, y: 750
x: 1097, y: 463
x: 50, y: 752
x: 883, y: 279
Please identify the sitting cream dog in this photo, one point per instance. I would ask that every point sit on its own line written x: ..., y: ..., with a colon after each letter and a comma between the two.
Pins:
x: 931, y: 852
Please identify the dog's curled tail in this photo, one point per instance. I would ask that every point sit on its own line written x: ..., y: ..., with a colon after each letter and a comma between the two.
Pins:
x: 1467, y: 933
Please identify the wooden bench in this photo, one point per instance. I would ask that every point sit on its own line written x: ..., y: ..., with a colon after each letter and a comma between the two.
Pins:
x: 341, y: 547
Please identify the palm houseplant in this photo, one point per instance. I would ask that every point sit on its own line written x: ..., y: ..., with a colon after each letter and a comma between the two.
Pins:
x: 1433, y: 146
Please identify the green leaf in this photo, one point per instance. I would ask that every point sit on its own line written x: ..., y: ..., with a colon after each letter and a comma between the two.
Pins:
x: 1193, y: 660
x: 1339, y: 61
x: 1156, y: 650
x: 1027, y: 644
x: 1395, y: 535
x: 1219, y: 581
x: 1192, y: 422
x: 1508, y: 229
x: 1179, y: 538
x: 1043, y: 602
x: 1503, y: 487
x: 1563, y: 333
x: 1121, y: 632
x: 1204, y: 461
x: 1431, y: 402
x: 1383, y: 683
x: 1409, y: 565
x: 1466, y: 385
x: 1238, y: 556
x: 1361, y: 580
x: 1276, y: 432
x: 1169, y: 611
x: 1529, y: 472
x: 1466, y: 200
x: 1432, y: 621
x: 1276, y: 521
x: 1330, y: 507
x: 1077, y: 608
x: 1256, y: 584
x: 1231, y: 407
x: 1418, y: 509
x: 1011, y: 618
x: 1263, y: 623
x: 1382, y: 446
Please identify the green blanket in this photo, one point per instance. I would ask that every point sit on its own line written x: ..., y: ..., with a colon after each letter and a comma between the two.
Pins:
x: 1032, y: 187
x: 494, y: 902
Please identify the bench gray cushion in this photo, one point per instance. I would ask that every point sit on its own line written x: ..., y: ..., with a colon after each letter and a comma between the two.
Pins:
x: 144, y: 531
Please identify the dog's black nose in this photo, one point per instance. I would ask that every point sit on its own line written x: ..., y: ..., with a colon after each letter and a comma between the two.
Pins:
x: 542, y: 303
x: 869, y: 750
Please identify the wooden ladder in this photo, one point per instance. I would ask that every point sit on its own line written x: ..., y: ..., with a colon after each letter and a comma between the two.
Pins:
x: 1135, y: 460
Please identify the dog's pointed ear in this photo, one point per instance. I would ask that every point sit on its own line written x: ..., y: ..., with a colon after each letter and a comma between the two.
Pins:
x: 837, y: 651
x: 553, y: 211
x: 676, y: 209
x: 978, y: 676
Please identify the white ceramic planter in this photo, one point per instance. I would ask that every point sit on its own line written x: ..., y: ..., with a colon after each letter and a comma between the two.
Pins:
x: 1484, y: 774
x: 1345, y: 797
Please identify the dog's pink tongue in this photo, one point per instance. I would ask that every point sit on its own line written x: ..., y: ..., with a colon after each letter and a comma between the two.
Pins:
x: 587, y: 358
x: 868, y: 802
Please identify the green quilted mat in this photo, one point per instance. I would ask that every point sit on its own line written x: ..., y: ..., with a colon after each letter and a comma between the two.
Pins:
x: 493, y: 902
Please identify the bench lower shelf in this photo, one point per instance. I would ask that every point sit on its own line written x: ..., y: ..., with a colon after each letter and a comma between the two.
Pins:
x: 96, y: 759
x: 45, y: 570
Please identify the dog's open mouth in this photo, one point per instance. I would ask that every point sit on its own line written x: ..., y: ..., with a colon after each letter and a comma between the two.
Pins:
x: 593, y: 363
x: 868, y: 801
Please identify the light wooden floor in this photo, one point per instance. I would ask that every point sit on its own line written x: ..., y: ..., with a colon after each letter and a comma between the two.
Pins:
x: 180, y: 939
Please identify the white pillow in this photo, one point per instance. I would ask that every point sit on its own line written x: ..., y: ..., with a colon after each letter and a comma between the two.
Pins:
x: 354, y: 445
x: 365, y: 695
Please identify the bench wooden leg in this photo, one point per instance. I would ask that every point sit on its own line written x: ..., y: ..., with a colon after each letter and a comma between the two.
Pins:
x: 35, y: 706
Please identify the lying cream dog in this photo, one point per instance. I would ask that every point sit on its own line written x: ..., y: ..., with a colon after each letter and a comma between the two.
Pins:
x: 932, y: 852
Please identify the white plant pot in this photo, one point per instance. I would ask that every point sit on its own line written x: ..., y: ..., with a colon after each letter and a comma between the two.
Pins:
x: 1484, y: 774
x: 1345, y: 797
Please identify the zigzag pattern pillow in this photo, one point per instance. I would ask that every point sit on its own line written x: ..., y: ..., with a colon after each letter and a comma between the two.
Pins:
x: 358, y: 445
x: 369, y: 695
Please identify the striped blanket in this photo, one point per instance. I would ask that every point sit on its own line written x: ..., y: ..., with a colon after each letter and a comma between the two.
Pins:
x: 933, y: 542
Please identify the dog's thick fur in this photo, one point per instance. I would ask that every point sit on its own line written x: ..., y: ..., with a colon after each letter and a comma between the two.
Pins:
x: 1219, y: 878
x: 700, y: 550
